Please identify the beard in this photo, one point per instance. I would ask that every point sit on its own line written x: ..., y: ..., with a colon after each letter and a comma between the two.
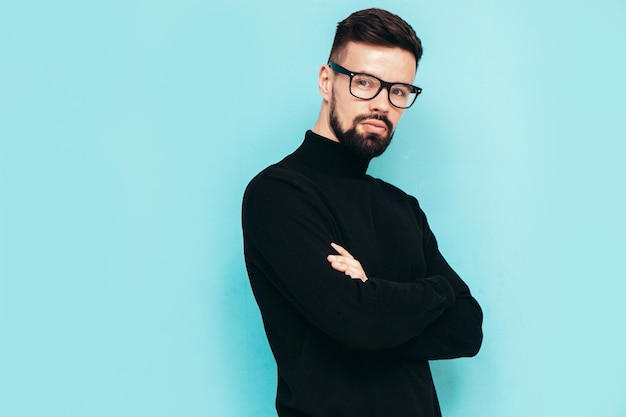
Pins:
x: 367, y: 145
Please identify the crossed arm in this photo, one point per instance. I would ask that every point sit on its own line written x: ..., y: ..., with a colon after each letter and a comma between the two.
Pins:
x: 363, y: 312
x: 444, y: 339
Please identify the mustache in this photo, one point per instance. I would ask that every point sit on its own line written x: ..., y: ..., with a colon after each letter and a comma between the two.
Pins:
x: 374, y: 116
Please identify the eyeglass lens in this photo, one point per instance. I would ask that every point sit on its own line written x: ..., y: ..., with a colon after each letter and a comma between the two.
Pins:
x: 366, y: 87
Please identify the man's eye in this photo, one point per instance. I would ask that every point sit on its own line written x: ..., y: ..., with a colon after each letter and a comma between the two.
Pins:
x: 400, y: 91
x: 364, y: 82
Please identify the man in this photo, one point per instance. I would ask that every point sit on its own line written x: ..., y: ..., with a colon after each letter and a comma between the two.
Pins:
x: 354, y: 294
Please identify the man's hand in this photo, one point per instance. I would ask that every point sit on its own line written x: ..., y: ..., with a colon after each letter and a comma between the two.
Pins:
x: 344, y: 262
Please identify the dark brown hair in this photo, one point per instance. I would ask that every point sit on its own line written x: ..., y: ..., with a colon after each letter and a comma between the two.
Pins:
x: 377, y: 27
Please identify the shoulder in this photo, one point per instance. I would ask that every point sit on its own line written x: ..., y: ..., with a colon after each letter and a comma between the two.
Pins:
x: 280, y: 182
x: 286, y: 171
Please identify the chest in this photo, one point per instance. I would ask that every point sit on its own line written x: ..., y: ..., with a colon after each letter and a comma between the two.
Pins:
x: 380, y: 226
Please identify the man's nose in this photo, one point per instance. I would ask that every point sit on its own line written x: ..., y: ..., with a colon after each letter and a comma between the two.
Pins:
x: 380, y: 103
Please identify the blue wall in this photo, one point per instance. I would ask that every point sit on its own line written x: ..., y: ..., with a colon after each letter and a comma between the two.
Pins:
x: 129, y: 129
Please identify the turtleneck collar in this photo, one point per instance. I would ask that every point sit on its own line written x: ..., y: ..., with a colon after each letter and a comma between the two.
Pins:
x: 329, y: 156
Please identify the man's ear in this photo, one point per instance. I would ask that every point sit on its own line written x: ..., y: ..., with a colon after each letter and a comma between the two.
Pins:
x: 325, y: 82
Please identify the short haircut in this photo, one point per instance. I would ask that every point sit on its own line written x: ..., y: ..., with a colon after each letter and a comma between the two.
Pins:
x: 377, y: 27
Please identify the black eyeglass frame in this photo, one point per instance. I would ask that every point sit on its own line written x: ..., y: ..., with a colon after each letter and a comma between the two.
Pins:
x: 383, y: 84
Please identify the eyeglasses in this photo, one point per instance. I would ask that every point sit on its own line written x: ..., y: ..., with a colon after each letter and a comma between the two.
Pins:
x: 366, y: 87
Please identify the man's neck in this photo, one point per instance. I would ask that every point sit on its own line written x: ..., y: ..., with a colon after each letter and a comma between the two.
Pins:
x: 322, y: 127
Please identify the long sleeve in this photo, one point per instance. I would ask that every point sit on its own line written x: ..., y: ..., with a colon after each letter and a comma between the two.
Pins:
x: 288, y: 231
x: 458, y: 331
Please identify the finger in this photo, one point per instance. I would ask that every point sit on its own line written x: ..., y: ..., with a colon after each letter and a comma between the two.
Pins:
x: 336, y: 261
x: 351, y: 262
x: 341, y: 266
x: 356, y: 274
x: 342, y: 251
x: 346, y: 263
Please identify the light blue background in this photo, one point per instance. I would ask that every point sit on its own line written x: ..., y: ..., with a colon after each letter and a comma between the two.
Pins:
x: 129, y: 129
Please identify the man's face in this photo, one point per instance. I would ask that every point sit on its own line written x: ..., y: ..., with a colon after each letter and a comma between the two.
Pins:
x: 367, y: 126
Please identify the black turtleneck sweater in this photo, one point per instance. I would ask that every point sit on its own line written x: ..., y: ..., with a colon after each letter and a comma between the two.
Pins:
x: 346, y: 347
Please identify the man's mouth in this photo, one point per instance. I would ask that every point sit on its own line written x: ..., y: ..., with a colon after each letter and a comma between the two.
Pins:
x: 374, y: 125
